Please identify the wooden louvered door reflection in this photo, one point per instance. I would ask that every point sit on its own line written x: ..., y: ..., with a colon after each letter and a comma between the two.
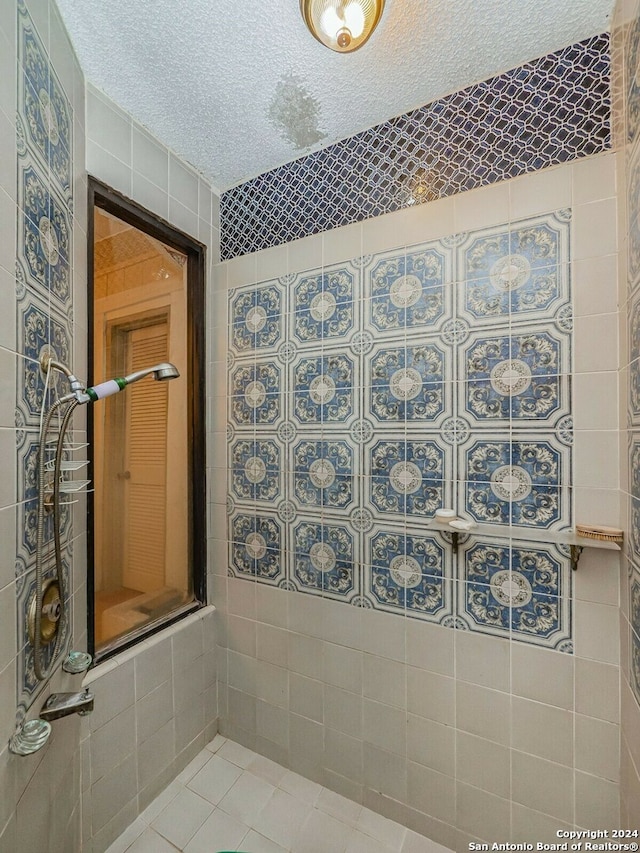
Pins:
x: 145, y: 460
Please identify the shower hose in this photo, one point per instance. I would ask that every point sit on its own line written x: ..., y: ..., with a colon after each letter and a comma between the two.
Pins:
x: 42, y: 672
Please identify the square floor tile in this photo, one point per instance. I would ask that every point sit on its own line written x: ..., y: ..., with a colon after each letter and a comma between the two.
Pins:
x: 193, y: 767
x: 161, y: 802
x: 236, y: 754
x: 322, y: 833
x: 267, y: 769
x: 151, y: 842
x: 282, y: 818
x: 215, y: 779
x: 246, y: 799
x: 299, y: 787
x: 182, y: 818
x: 226, y: 807
x: 131, y: 833
x: 216, y: 743
x: 219, y: 832
x: 253, y: 842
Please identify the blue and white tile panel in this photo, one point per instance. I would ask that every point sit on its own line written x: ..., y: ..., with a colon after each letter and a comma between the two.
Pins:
x: 365, y: 395
x: 549, y: 111
x: 634, y: 614
x: 43, y: 107
x: 518, y: 589
x: 634, y: 501
x: 44, y: 259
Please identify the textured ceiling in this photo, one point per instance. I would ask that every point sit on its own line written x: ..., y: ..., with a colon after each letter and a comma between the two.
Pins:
x: 238, y: 88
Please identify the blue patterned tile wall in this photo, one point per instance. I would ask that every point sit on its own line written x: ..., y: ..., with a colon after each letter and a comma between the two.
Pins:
x: 546, y: 112
x: 44, y: 258
x: 366, y: 395
x: 634, y: 651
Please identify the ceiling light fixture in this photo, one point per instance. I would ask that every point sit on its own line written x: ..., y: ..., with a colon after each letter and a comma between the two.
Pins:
x: 342, y: 25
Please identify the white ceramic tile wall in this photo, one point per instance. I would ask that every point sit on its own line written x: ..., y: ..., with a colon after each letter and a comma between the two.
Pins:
x: 625, y: 95
x: 168, y: 688
x: 155, y: 709
x: 124, y: 155
x: 407, y: 717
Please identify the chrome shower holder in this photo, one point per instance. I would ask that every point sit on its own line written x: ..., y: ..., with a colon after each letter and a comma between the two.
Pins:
x: 30, y: 737
x: 77, y: 662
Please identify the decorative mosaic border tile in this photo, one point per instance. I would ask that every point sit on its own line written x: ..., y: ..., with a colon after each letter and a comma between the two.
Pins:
x: 352, y: 419
x: 632, y: 60
x: 43, y: 107
x: 546, y: 112
x: 39, y: 328
x: 44, y: 258
x: 28, y: 441
x: 633, y: 216
x: 44, y: 236
x: 633, y: 520
x: 29, y: 688
x: 634, y: 639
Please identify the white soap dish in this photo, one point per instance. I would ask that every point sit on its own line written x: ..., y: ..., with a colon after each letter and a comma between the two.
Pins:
x: 445, y: 514
x: 462, y: 524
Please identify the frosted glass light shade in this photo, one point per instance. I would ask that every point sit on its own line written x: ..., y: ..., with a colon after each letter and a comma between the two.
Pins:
x: 341, y: 25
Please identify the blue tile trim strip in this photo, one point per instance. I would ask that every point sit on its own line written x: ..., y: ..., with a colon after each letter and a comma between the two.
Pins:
x: 546, y: 112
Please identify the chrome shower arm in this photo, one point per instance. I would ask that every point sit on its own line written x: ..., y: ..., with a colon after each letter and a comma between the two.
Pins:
x: 48, y: 363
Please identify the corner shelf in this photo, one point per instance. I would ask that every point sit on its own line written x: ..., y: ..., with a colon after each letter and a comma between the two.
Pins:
x: 575, y: 543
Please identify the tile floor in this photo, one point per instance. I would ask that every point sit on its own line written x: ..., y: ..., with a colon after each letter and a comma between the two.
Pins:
x: 229, y: 798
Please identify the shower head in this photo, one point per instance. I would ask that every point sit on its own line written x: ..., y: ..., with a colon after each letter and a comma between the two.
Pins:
x: 166, y: 371
x: 162, y: 371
